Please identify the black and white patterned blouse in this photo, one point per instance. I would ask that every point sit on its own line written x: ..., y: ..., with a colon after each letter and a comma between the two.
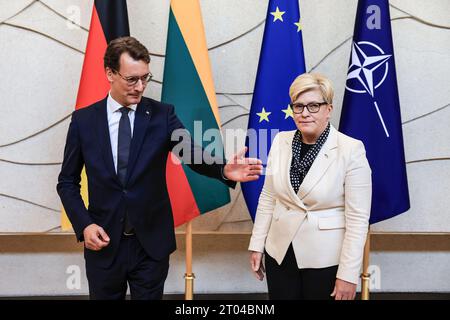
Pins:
x: 303, y: 156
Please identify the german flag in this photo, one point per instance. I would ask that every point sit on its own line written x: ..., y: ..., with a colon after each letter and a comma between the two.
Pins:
x: 109, y: 21
x: 189, y: 86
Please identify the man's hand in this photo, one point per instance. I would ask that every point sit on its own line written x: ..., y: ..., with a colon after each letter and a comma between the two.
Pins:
x: 242, y: 169
x: 344, y: 290
x: 257, y: 264
x: 95, y: 238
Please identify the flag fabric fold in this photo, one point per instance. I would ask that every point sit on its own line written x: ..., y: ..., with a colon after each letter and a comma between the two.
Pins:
x: 371, y: 108
x: 188, y: 85
x: 281, y: 61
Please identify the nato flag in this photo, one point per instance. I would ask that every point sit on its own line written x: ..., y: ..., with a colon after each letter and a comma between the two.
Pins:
x: 281, y: 61
x: 371, y: 108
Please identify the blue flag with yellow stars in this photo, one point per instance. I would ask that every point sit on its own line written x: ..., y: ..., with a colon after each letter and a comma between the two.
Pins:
x: 371, y: 108
x: 281, y: 60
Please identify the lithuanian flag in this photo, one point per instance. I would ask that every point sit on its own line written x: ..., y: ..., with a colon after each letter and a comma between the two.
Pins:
x: 109, y: 21
x: 189, y: 86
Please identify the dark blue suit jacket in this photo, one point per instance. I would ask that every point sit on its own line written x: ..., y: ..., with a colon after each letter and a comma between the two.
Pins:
x: 144, y: 194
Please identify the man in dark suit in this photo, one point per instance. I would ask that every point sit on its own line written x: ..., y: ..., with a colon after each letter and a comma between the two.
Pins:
x: 123, y: 142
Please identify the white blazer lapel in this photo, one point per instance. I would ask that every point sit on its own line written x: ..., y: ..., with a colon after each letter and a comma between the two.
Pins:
x: 320, y: 165
x: 285, y: 171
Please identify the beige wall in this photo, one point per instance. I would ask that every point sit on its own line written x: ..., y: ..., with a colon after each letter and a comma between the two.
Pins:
x: 41, y: 56
x: 38, y: 265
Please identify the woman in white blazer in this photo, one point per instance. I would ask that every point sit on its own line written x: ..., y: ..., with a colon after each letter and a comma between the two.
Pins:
x: 313, y: 211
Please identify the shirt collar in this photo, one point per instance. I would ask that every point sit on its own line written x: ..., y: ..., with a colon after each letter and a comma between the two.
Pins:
x: 114, y: 106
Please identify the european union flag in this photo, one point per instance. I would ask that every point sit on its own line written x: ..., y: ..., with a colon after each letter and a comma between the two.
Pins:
x: 280, y: 62
x: 371, y: 108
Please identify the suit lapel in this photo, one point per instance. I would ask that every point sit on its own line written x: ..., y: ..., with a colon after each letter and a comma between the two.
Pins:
x: 141, y: 122
x: 104, y: 139
x: 285, y: 170
x: 320, y: 165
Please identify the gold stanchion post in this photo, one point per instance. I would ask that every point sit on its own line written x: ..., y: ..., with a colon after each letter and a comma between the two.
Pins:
x: 365, y: 276
x: 189, y: 276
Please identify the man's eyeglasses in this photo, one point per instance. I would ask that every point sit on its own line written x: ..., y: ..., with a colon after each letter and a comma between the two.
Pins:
x: 132, y: 81
x: 312, y: 107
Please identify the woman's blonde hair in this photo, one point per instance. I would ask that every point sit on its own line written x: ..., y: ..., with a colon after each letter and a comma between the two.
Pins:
x: 311, y: 81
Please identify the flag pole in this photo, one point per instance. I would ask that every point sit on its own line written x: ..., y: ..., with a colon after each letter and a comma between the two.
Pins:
x: 189, y: 276
x: 365, y: 275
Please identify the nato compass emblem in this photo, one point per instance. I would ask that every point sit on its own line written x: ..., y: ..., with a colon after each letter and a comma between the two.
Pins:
x: 368, y: 69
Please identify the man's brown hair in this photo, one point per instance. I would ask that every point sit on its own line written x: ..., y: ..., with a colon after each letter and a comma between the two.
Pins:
x: 130, y: 45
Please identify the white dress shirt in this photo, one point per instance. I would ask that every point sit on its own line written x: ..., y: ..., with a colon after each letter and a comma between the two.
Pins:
x: 114, y: 116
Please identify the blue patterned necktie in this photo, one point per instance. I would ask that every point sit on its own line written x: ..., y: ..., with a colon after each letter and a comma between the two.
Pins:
x: 123, y: 146
x: 123, y: 153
